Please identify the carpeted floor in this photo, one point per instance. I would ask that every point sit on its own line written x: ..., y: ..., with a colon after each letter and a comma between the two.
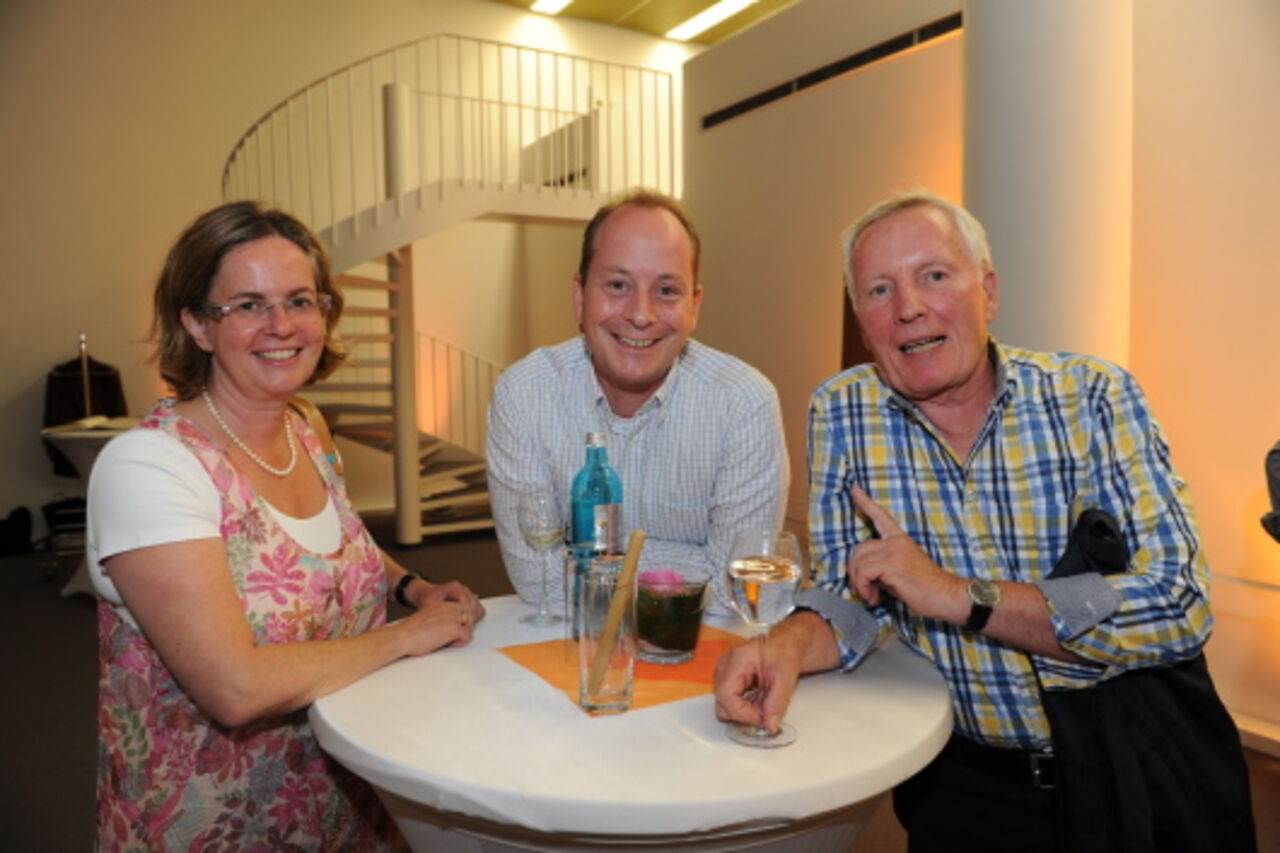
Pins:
x: 48, y: 746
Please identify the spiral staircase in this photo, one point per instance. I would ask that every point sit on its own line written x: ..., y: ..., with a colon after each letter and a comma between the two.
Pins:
x: 409, y: 142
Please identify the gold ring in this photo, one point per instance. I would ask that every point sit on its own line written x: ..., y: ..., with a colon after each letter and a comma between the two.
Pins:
x: 466, y: 617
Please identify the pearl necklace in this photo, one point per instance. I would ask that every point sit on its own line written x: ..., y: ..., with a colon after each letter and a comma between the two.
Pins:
x: 288, y: 434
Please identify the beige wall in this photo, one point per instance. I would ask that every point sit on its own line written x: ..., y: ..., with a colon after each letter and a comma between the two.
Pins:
x: 551, y: 254
x: 772, y: 190
x: 115, y: 121
x: 1205, y: 307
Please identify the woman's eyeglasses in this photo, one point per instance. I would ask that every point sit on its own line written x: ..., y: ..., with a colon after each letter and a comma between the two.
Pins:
x: 302, y: 307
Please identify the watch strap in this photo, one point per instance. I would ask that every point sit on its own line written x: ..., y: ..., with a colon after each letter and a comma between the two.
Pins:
x: 978, y: 616
x: 408, y: 578
x: 985, y: 595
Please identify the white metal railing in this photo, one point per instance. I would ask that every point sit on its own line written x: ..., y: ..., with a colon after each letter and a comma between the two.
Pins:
x: 480, y: 112
x: 454, y: 389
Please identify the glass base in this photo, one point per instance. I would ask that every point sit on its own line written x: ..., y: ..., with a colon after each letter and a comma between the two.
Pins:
x: 653, y: 654
x: 759, y: 737
x: 541, y: 619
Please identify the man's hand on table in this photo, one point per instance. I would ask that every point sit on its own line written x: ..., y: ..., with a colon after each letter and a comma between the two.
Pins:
x: 755, y: 693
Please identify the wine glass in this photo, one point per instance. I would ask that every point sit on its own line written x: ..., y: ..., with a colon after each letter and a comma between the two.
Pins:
x: 538, y: 515
x: 765, y: 567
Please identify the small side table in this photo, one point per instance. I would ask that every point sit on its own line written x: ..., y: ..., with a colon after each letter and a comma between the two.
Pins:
x: 81, y: 446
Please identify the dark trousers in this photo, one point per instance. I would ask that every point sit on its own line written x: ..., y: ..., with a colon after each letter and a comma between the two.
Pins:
x: 977, y: 798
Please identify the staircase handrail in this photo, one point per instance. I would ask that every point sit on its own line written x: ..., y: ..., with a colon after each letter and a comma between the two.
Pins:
x: 500, y: 114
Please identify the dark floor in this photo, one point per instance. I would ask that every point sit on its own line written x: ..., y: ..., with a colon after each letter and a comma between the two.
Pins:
x: 48, y: 744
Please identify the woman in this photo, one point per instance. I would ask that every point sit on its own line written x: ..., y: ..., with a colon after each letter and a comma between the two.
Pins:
x: 238, y: 583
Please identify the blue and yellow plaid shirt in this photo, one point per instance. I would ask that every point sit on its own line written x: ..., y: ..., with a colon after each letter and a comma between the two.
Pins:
x: 1064, y: 433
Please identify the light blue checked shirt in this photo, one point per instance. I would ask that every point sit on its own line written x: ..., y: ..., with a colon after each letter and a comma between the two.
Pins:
x: 1065, y: 433
x: 702, y: 458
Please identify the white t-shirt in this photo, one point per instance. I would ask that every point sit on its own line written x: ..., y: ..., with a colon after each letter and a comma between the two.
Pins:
x: 148, y: 489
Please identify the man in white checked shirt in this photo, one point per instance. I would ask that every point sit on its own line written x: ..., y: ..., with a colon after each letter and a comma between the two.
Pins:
x: 695, y: 434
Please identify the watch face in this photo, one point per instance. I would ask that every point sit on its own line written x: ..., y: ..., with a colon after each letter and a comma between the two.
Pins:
x: 984, y: 592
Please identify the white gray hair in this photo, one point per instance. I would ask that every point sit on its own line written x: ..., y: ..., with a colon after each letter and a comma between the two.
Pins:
x: 971, y: 230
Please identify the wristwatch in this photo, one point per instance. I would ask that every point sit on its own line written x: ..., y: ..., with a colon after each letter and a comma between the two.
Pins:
x: 408, y: 578
x: 985, y: 595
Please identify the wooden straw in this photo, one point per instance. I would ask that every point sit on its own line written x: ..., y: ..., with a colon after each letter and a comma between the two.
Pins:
x: 616, y: 605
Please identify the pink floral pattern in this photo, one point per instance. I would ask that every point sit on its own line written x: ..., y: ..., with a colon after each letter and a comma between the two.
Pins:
x: 169, y: 778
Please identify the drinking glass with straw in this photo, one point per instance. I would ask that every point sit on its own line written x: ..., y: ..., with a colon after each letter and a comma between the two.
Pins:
x: 607, y: 640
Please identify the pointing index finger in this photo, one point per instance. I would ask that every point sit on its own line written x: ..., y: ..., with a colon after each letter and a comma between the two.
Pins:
x: 876, y: 514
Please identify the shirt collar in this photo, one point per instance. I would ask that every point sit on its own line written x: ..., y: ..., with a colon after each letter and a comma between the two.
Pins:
x: 658, y: 398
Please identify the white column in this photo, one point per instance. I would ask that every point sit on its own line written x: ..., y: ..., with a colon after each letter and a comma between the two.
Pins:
x: 1048, y: 166
x: 396, y: 118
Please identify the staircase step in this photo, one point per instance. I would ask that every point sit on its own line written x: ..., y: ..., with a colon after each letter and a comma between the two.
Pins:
x: 335, y: 409
x: 357, y: 428
x: 361, y: 361
x: 435, y: 528
x: 442, y: 485
x: 379, y: 437
x: 470, y: 499
x: 446, y: 471
x: 362, y: 311
x: 428, y: 447
x: 367, y: 339
x: 364, y: 282
x: 336, y: 387
x: 468, y: 511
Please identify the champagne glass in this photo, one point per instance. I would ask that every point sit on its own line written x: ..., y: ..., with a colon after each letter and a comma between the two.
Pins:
x: 765, y: 567
x: 538, y: 515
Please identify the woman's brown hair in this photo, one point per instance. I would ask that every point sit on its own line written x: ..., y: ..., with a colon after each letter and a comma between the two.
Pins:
x: 189, y: 270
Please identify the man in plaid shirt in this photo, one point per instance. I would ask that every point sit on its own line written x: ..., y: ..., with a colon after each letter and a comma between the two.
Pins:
x: 945, y: 479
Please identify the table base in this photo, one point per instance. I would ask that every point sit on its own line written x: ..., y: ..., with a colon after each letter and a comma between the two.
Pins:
x: 79, y: 582
x: 428, y: 829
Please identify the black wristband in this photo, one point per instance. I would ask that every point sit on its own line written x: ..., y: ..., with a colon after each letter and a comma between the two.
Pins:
x: 409, y: 577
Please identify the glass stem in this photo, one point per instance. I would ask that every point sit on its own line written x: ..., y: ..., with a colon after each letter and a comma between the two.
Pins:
x: 760, y: 689
x: 542, y: 599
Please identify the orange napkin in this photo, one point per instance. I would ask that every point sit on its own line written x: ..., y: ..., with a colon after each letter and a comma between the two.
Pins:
x: 556, y: 662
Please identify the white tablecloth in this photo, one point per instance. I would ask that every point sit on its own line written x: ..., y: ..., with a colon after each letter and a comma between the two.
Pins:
x: 470, y: 731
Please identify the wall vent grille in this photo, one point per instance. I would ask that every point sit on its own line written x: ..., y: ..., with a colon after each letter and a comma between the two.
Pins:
x: 884, y: 49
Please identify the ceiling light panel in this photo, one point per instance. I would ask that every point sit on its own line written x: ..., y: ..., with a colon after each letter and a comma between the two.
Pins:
x: 708, y: 18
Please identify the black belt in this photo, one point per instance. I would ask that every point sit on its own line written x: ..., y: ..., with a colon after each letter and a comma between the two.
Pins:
x: 1015, y: 765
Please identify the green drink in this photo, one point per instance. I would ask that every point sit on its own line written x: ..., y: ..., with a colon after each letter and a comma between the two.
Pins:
x: 668, y: 615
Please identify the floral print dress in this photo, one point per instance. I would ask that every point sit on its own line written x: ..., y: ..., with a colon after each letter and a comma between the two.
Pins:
x: 169, y: 777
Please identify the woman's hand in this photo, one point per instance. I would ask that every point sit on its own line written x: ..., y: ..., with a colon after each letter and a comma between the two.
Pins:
x: 437, y: 624
x: 425, y: 593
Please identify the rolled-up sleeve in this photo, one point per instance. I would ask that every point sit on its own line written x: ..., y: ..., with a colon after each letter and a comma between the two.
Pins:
x: 1156, y: 612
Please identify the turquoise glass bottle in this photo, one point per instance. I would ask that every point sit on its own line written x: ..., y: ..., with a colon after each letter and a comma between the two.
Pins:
x: 595, y: 500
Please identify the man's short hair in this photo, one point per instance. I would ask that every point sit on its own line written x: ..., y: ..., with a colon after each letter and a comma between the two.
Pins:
x: 971, y: 230
x: 638, y: 198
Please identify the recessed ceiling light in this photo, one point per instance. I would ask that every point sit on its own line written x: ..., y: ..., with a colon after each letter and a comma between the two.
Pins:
x: 708, y: 18
x: 549, y: 7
